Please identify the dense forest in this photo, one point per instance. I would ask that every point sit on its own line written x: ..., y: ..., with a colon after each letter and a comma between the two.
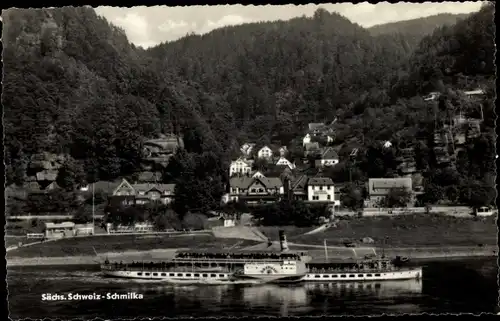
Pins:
x: 74, y: 85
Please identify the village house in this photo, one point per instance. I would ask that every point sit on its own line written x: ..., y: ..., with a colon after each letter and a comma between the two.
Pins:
x: 265, y: 153
x: 144, y: 192
x: 240, y: 167
x: 283, y: 150
x: 159, y: 150
x: 306, y: 139
x: 311, y: 149
x: 474, y: 93
x: 379, y: 188
x: 315, y: 128
x: 282, y: 161
x: 255, y: 190
x: 312, y: 189
x: 328, y: 157
x: 387, y: 144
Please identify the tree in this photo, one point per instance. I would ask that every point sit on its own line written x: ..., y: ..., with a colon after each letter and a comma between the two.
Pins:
x: 397, y: 197
x: 166, y: 220
x: 352, y: 197
x: 70, y: 175
x: 194, y: 221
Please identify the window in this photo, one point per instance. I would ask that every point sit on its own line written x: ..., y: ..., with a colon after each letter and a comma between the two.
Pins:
x: 321, y: 188
x: 328, y: 197
x: 352, y: 275
x: 221, y: 275
x: 196, y: 275
x: 139, y: 274
x: 334, y: 275
x: 326, y: 275
x: 164, y: 274
x: 179, y: 274
x: 377, y: 274
x: 343, y: 276
x: 155, y: 274
x: 213, y: 275
x: 369, y: 274
x: 360, y: 275
x: 328, y: 187
x: 316, y: 276
x: 147, y: 274
x: 171, y: 274
x: 204, y: 275
x: 253, y: 190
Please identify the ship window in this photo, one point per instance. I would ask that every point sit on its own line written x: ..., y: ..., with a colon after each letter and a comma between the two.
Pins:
x: 179, y: 274
x: 343, y: 276
x: 377, y: 274
x: 316, y: 276
x: 140, y: 273
x: 171, y: 274
x: 146, y: 274
x: 205, y: 275
x: 213, y: 275
x: 164, y: 274
x: 368, y: 274
x: 221, y: 275
x: 155, y: 274
x: 326, y: 275
x: 196, y: 275
x: 360, y: 275
x: 351, y: 275
x: 334, y: 275
x: 188, y: 274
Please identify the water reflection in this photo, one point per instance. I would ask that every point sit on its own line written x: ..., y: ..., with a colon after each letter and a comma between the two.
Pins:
x: 378, y: 288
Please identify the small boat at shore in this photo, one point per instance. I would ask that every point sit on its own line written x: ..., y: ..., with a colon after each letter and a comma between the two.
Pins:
x: 229, y: 266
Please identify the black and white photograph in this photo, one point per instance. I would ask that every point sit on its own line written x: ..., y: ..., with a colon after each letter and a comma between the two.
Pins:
x: 291, y: 160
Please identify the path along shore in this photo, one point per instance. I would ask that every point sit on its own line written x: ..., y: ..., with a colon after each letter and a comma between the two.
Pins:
x: 421, y: 253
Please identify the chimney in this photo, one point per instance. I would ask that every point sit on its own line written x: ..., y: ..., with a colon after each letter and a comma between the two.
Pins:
x: 283, y: 242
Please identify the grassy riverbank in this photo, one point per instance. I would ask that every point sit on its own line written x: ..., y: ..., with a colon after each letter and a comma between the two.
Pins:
x: 404, y: 231
x: 84, y: 246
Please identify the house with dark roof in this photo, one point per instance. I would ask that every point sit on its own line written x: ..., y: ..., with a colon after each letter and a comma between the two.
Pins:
x: 311, y: 149
x: 328, y: 157
x: 255, y: 190
x: 315, y: 189
x: 145, y: 192
x: 160, y: 150
x: 379, y: 188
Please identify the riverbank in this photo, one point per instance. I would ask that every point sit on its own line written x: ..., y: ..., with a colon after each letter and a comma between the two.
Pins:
x: 416, y: 254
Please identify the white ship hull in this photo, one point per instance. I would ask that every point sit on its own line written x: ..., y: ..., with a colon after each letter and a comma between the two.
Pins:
x: 404, y: 274
x: 170, y: 276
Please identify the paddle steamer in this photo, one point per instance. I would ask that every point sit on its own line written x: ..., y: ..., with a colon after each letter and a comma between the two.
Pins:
x: 212, y: 266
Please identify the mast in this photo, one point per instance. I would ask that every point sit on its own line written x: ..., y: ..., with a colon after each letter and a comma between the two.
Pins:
x: 326, y: 250
x: 93, y: 207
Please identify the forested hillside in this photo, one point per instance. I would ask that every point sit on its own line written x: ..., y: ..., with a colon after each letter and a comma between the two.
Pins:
x: 73, y: 84
x: 416, y: 29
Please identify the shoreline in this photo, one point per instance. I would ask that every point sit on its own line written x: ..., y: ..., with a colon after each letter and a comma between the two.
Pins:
x: 415, y: 254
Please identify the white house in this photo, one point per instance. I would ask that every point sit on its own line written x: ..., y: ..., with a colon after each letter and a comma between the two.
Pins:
x: 306, y: 139
x: 329, y: 139
x: 387, y: 144
x: 321, y: 189
x: 239, y: 166
x: 265, y: 152
x: 285, y: 162
x: 472, y: 93
x: 329, y: 157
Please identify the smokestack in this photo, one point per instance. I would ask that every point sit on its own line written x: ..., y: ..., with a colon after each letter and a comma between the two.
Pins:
x: 283, y: 243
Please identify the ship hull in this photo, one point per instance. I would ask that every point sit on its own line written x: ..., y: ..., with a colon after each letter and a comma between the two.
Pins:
x: 404, y: 274
x: 168, y: 276
x: 273, y: 278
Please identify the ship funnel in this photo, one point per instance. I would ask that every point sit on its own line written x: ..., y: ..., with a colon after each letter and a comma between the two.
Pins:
x: 283, y: 242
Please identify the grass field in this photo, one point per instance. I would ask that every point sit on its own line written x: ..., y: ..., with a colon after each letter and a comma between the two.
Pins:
x: 410, y: 231
x: 82, y: 246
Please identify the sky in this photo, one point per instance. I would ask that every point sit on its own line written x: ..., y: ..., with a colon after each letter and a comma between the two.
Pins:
x: 149, y: 26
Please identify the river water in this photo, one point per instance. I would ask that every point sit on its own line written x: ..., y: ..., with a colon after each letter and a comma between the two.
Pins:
x: 447, y: 287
